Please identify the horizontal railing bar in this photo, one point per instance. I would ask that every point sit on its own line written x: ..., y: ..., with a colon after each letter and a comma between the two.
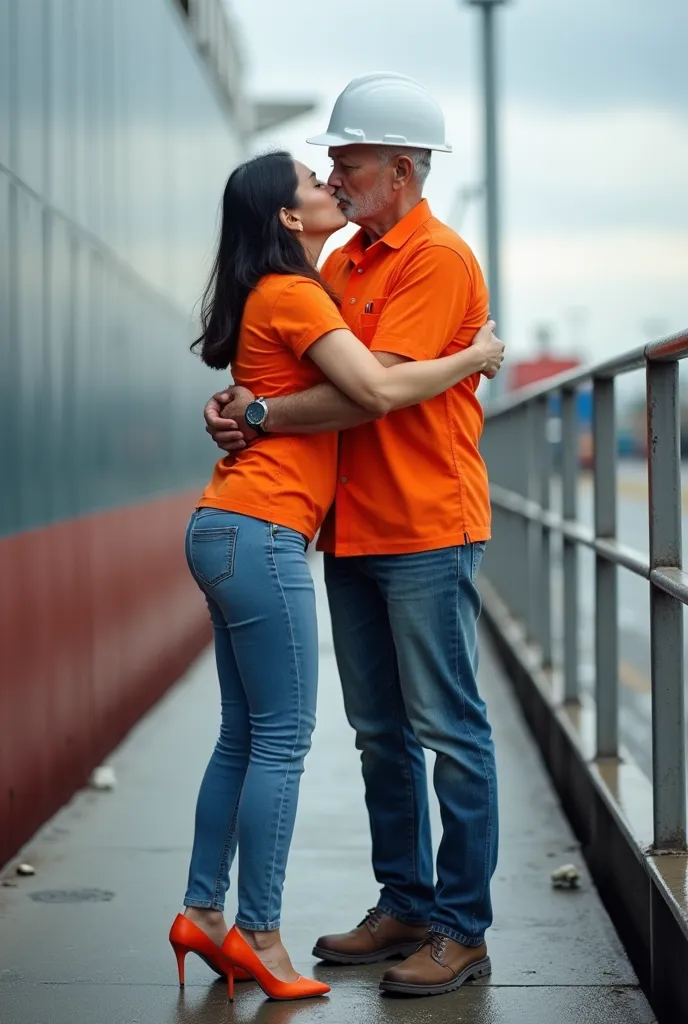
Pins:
x: 672, y: 581
x: 614, y: 552
x: 626, y: 363
x: 624, y: 556
x: 671, y: 348
x: 577, y: 532
x: 513, y: 502
x: 528, y: 520
x: 668, y: 350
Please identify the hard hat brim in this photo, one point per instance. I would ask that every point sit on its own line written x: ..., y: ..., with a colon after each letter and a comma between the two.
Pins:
x: 329, y: 139
x: 332, y: 139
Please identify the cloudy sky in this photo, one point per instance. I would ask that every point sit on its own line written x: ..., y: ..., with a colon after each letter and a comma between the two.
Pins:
x: 594, y: 142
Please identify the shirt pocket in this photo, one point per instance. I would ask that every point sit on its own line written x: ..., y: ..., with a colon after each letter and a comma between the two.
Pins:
x: 368, y: 322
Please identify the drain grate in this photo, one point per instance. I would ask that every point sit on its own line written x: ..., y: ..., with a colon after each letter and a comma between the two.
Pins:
x: 72, y: 896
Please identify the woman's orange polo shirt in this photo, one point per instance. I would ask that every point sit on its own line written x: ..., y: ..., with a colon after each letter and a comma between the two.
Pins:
x: 286, y: 479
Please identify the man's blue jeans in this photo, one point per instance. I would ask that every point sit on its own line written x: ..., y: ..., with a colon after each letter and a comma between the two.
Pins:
x: 405, y: 635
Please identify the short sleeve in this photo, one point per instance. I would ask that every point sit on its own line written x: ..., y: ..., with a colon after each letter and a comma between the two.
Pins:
x: 304, y: 312
x: 427, y: 306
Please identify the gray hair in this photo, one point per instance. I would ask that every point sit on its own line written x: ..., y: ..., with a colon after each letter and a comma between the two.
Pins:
x: 420, y: 157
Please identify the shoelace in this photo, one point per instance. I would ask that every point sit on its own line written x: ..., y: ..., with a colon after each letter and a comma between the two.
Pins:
x: 372, y: 918
x: 437, y: 941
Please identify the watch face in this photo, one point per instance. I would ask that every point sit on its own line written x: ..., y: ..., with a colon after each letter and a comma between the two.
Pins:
x: 255, y: 414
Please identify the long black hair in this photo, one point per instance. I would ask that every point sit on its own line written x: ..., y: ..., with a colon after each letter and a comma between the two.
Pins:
x: 253, y: 243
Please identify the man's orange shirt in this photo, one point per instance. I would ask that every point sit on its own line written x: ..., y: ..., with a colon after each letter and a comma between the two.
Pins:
x: 413, y: 481
x: 285, y: 479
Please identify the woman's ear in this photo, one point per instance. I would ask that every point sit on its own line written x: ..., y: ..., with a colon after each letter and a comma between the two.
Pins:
x: 290, y: 220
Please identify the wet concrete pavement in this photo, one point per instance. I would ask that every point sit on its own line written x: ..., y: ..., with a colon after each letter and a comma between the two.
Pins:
x: 84, y: 941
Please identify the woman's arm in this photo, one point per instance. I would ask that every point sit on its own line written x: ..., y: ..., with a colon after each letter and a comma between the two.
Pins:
x: 380, y: 389
x: 321, y: 408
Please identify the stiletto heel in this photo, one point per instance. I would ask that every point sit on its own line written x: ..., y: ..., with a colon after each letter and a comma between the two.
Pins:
x: 180, y: 953
x: 187, y: 937
x: 240, y: 955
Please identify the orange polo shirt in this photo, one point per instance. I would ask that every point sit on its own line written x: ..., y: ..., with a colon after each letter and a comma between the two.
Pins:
x: 414, y: 480
x: 286, y: 479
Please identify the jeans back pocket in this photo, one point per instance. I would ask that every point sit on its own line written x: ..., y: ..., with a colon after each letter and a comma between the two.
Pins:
x: 211, y: 553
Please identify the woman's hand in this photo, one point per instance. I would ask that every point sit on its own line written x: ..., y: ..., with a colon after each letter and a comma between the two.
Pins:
x: 224, y: 419
x: 489, y: 350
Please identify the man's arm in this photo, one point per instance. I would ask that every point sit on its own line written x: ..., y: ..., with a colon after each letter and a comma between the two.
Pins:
x: 436, y: 279
x: 321, y: 408
x: 419, y: 320
x: 318, y: 410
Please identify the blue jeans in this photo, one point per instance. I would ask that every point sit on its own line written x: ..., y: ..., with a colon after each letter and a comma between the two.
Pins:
x: 262, y: 605
x: 405, y: 635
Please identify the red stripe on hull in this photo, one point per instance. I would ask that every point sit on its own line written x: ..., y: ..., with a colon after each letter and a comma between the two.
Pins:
x: 98, y: 617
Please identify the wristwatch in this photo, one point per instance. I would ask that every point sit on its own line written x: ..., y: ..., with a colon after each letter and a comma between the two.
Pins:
x: 256, y: 415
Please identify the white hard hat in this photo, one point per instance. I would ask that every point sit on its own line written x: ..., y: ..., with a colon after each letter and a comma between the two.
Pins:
x: 385, y: 109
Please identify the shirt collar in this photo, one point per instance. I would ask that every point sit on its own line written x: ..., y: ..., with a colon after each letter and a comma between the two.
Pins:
x: 395, y: 238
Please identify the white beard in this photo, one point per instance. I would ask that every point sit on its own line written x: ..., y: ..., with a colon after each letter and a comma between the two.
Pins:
x: 365, y: 207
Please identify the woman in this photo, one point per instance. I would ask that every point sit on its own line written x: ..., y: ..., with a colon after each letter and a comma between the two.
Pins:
x: 268, y: 316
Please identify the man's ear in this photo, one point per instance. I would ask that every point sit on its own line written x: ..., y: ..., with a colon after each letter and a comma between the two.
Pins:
x: 290, y: 220
x: 403, y: 171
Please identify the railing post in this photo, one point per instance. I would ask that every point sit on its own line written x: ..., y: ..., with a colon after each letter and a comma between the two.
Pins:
x: 606, y: 584
x: 666, y: 612
x: 523, y: 589
x: 516, y: 463
x: 540, y: 547
x: 495, y: 565
x: 533, y: 533
x: 569, y: 481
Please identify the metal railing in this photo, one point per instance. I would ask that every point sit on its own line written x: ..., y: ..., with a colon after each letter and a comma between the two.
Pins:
x: 519, y: 565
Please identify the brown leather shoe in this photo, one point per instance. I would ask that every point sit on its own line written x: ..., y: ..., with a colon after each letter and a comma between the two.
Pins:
x: 377, y: 937
x: 440, y: 965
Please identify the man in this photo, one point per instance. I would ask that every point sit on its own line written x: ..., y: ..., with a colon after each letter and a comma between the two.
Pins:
x: 403, y: 546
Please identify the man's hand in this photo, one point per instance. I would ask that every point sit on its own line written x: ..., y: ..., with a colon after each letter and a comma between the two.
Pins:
x: 224, y: 418
x: 492, y: 347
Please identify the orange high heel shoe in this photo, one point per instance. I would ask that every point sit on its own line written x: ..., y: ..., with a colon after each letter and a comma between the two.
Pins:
x: 237, y: 950
x: 187, y: 937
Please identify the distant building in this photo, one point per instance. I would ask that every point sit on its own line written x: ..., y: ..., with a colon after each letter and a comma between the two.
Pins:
x: 530, y: 371
x: 527, y: 372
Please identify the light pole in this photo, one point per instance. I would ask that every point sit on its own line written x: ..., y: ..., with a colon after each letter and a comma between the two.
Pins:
x: 491, y: 164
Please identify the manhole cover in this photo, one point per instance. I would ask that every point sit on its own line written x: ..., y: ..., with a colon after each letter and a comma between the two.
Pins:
x: 72, y: 896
